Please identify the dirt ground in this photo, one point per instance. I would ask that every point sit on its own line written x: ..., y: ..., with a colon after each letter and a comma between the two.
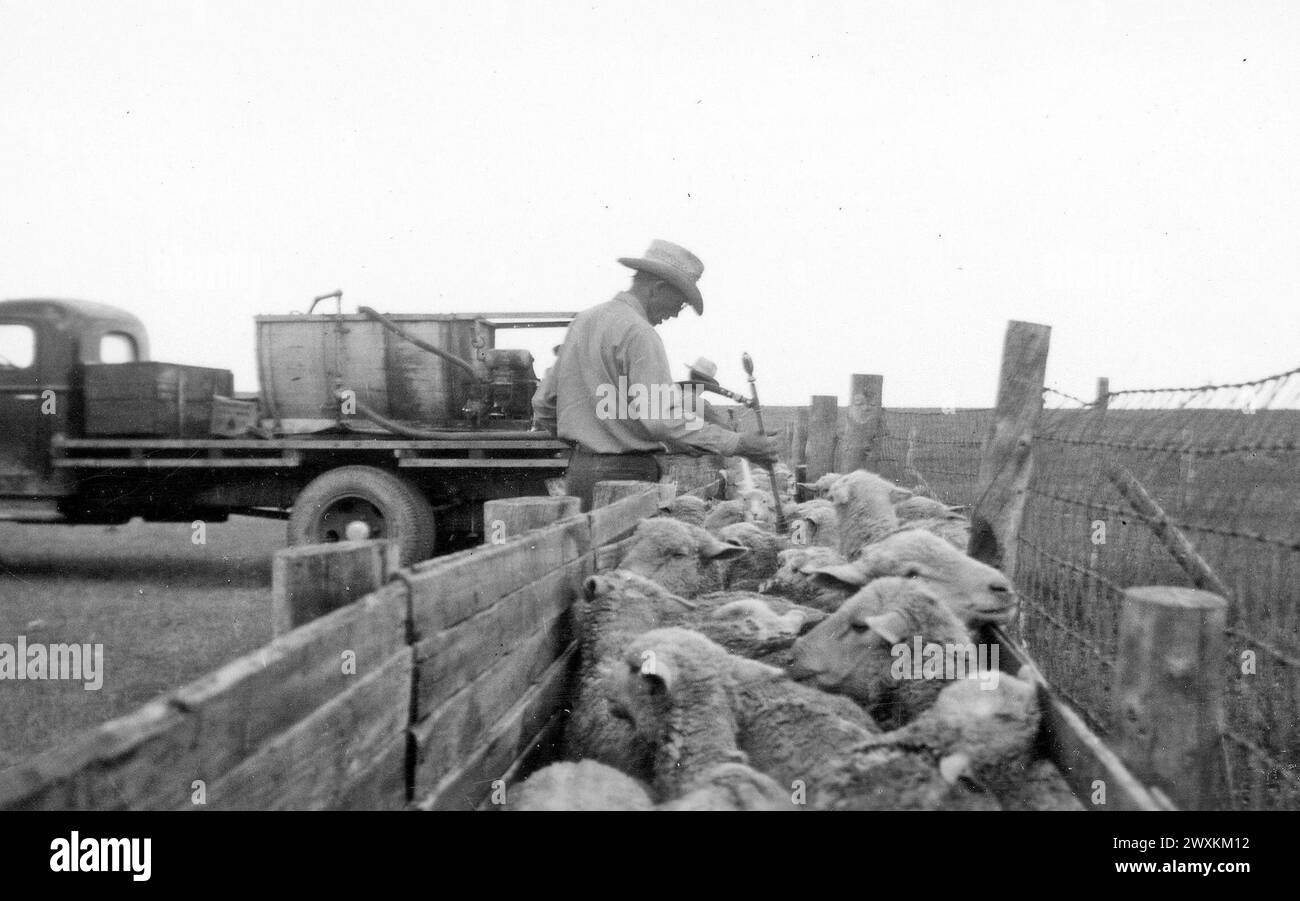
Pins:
x: 165, y: 608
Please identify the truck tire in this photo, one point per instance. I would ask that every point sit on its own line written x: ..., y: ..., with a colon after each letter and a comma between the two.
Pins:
x: 368, y: 501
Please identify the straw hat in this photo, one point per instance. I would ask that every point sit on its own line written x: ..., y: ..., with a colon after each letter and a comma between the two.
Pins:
x: 703, y: 371
x: 675, y: 265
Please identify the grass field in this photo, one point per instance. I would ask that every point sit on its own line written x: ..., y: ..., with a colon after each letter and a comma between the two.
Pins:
x: 166, y: 610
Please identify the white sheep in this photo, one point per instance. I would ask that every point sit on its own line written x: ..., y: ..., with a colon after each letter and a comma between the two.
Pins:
x: 816, y: 525
x: 684, y: 559
x: 616, y: 608
x: 590, y: 785
x: 821, y: 488
x: 752, y: 505
x: 978, y: 592
x: 864, y: 503
x: 873, y: 649
x: 748, y: 571
x: 745, y: 623
x: 699, y: 706
x: 799, y: 578
x: 919, y: 507
x: 686, y: 508
x: 580, y: 785
x: 973, y: 735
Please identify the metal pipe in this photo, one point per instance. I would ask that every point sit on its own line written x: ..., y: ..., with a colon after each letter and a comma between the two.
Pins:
x: 423, y: 345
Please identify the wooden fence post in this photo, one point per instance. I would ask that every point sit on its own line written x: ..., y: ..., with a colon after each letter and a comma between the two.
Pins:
x: 1006, y: 461
x: 1169, y: 692
x: 507, y: 517
x: 1103, y: 394
x: 823, y: 419
x: 799, y: 452
x: 866, y: 422
x: 309, y: 581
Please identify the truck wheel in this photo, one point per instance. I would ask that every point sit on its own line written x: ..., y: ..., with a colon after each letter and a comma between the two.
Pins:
x: 357, y: 502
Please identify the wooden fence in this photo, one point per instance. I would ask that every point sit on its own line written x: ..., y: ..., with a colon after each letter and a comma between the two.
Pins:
x: 432, y: 684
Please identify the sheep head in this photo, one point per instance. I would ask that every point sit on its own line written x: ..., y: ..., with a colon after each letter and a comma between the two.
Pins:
x: 976, y: 592
x: 864, y: 505
x: 980, y: 728
x: 678, y: 556
x: 851, y: 652
x: 668, y: 675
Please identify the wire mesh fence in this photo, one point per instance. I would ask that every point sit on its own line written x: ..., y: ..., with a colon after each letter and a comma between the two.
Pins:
x: 1222, y: 465
x: 936, y: 452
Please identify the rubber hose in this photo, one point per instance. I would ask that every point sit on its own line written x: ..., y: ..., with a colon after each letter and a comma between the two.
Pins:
x: 423, y: 345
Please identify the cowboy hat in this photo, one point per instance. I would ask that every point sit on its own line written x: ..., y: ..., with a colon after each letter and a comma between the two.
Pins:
x: 703, y: 372
x: 675, y: 265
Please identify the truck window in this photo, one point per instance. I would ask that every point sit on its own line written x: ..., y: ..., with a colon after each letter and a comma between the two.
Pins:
x: 116, y: 347
x: 17, y: 345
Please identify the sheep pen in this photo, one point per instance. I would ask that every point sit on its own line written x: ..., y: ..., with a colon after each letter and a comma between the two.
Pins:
x: 480, y: 658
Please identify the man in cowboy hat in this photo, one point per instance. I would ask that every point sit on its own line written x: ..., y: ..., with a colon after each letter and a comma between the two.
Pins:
x: 611, y: 352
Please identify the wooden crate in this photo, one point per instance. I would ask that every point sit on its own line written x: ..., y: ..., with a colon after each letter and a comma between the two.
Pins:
x: 159, y: 400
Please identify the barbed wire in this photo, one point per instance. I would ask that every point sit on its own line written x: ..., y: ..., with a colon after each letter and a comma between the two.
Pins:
x: 1204, y: 388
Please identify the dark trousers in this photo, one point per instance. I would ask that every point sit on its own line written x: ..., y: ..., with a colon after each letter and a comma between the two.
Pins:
x: 586, y: 469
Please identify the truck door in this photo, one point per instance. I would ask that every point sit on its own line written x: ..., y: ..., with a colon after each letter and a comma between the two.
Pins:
x: 25, y: 387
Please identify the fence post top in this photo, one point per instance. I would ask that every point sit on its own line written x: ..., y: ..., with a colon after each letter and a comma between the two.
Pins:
x: 1176, y: 596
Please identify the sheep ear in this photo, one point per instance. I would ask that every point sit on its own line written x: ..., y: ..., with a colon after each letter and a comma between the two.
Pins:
x: 658, y: 674
x: 954, y: 766
x: 723, y: 550
x: 843, y: 572
x: 896, y: 494
x: 893, y: 626
x: 689, y: 605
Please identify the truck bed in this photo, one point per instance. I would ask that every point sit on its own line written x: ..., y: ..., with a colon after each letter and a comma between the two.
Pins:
x: 470, y: 452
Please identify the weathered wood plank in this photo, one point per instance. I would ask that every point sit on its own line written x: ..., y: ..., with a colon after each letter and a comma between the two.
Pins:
x: 506, y: 517
x: 316, y: 763
x: 451, y: 589
x: 823, y: 421
x: 608, y: 492
x: 799, y: 446
x: 1006, y: 460
x: 308, y: 582
x: 621, y: 517
x: 450, y: 736
x: 866, y: 419
x: 450, y: 659
x: 93, y: 770
x: 1169, y: 692
x: 149, y: 758
x: 519, y: 729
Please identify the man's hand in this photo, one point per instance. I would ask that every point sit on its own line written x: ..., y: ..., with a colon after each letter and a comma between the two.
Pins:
x: 757, y: 448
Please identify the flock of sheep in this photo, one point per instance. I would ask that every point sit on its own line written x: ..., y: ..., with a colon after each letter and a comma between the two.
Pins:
x: 729, y: 666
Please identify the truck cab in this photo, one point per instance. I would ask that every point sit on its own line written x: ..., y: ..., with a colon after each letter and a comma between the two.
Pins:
x: 43, y: 344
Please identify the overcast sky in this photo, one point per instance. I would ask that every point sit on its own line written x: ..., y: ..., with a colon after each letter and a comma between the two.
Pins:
x: 873, y: 187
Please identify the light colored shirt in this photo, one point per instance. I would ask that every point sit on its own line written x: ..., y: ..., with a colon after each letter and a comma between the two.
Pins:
x: 612, y: 391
